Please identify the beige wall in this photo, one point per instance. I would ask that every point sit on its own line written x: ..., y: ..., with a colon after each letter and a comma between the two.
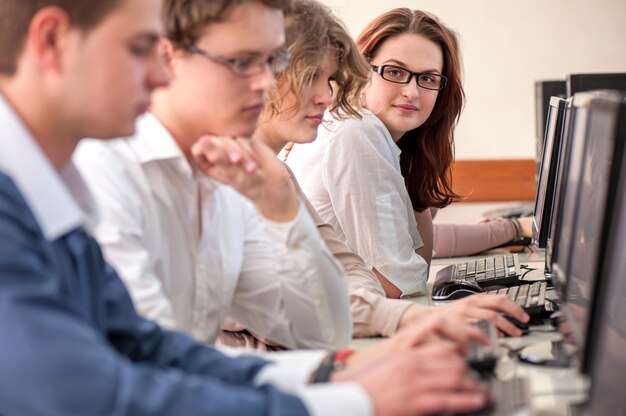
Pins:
x: 506, y: 46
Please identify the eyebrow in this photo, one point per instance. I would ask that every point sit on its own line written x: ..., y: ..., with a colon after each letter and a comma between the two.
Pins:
x: 402, y: 64
x: 251, y: 53
x: 150, y: 37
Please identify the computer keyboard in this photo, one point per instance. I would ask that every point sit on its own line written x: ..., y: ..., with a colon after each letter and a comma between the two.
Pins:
x: 497, y: 270
x: 483, y: 358
x: 511, y: 397
x: 531, y: 297
x: 515, y: 211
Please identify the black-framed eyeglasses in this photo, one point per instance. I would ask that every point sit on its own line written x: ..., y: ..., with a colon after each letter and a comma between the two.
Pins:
x: 248, y: 66
x: 399, y: 75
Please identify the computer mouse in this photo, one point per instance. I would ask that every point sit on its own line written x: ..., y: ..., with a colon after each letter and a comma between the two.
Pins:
x: 455, y: 289
x: 524, y: 327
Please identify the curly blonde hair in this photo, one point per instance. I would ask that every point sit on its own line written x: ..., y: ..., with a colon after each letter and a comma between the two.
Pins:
x: 312, y: 31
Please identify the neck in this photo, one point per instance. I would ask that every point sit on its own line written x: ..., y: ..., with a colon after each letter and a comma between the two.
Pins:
x: 56, y: 136
x: 182, y: 131
x: 265, y: 134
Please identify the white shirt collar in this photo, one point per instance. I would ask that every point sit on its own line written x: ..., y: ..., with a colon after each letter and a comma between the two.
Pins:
x: 153, y: 142
x: 55, y: 199
x: 367, y: 114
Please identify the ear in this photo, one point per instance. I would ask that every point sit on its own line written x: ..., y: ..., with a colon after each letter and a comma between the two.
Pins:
x: 169, y: 55
x: 46, y: 33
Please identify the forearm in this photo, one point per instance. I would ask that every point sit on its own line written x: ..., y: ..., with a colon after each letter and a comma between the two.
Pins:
x: 373, y: 313
x: 453, y: 240
x: 302, y: 284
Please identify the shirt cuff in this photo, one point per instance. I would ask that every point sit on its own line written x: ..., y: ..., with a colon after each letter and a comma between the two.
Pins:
x: 336, y: 399
x: 291, y: 369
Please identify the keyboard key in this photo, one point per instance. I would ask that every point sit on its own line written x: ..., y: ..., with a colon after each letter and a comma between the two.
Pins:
x: 530, y: 297
x: 487, y: 272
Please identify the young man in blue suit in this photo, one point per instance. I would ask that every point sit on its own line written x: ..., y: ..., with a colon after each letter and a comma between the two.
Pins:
x: 71, y: 342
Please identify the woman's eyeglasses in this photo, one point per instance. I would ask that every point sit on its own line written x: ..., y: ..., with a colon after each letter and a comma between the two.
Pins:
x: 399, y: 75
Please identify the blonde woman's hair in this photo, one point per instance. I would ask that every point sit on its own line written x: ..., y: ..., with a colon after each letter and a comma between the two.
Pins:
x: 312, y: 31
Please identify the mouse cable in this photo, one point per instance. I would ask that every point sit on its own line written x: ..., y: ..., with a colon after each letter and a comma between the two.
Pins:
x: 528, y: 270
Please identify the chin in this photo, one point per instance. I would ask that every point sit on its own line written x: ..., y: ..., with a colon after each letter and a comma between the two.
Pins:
x: 304, y: 140
x: 241, y: 131
x: 303, y: 137
x: 122, y: 131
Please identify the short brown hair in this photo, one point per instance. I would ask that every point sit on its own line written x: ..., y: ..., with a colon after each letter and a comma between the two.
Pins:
x: 428, y: 150
x: 15, y: 17
x: 185, y: 20
x: 312, y: 31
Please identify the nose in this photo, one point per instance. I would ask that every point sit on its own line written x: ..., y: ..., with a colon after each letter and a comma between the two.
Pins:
x: 411, y: 90
x: 158, y: 75
x: 264, y: 81
x: 322, y: 94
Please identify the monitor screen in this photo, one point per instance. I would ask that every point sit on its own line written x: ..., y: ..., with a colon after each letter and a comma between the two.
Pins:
x: 588, y: 236
x: 547, y: 176
x: 607, y: 349
x: 568, y: 198
x: 586, y: 82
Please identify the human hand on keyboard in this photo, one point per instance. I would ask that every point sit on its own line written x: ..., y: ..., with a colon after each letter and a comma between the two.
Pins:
x: 489, y: 307
x: 429, y: 379
x: 430, y: 329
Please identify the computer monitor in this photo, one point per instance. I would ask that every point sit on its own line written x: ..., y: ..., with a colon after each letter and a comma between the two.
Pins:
x: 589, y: 184
x: 559, y: 189
x: 607, y: 346
x: 547, y: 176
x: 586, y: 82
x: 601, y: 167
x: 544, y: 91
x: 565, y: 219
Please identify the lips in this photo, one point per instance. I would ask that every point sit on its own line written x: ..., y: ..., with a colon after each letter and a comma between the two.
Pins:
x: 406, y: 107
x: 317, y: 118
x: 255, y: 109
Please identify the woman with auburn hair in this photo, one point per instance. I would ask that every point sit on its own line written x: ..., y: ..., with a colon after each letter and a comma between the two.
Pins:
x: 375, y: 179
x: 327, y: 72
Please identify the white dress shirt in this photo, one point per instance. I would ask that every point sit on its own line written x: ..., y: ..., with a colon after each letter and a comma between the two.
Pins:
x: 351, y: 174
x: 193, y: 251
x: 62, y: 203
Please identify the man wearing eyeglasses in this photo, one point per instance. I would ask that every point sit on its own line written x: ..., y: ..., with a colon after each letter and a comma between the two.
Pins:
x: 191, y: 249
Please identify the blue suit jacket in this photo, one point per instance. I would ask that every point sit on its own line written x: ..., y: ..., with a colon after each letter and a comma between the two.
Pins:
x: 71, y: 342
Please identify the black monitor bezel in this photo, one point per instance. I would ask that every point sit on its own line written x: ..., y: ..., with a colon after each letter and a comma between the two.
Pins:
x: 541, y: 223
x: 557, y: 202
x: 577, y: 83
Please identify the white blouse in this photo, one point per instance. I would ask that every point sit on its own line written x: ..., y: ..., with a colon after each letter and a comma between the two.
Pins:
x: 351, y: 175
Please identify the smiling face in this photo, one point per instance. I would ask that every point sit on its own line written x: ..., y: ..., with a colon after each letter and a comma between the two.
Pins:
x: 298, y: 117
x: 404, y: 107
x: 206, y: 96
